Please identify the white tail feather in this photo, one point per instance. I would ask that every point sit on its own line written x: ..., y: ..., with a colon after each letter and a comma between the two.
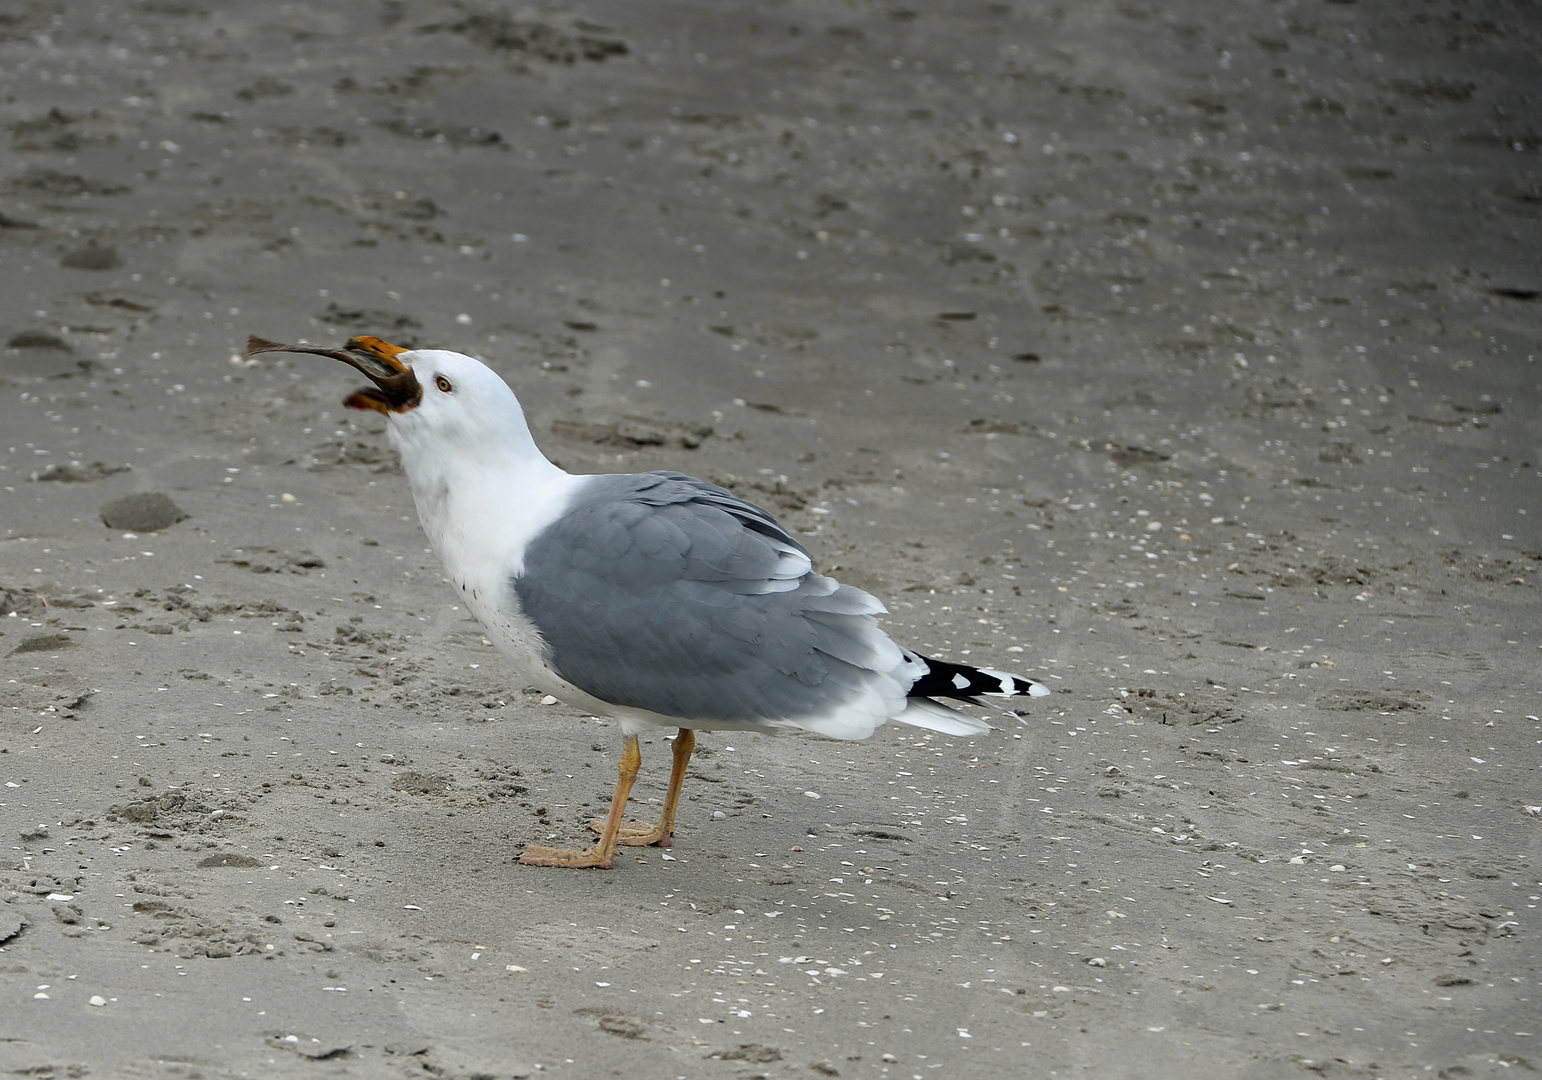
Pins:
x: 929, y: 714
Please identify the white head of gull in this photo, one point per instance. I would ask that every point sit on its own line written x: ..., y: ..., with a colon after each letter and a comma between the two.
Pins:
x: 654, y: 598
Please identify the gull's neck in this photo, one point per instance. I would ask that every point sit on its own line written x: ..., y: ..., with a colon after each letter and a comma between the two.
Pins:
x: 481, y: 505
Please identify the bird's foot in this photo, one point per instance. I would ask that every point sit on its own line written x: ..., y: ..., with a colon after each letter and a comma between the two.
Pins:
x: 534, y: 855
x: 637, y: 834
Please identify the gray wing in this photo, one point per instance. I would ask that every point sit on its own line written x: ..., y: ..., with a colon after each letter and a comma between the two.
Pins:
x: 661, y: 592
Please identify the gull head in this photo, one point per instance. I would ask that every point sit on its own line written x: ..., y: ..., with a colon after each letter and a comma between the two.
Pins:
x: 463, y: 406
x: 431, y: 396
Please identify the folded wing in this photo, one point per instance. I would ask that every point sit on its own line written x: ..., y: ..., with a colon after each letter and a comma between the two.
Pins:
x: 657, y: 591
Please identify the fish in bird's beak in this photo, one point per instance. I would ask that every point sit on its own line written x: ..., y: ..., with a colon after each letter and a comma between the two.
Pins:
x: 396, y: 388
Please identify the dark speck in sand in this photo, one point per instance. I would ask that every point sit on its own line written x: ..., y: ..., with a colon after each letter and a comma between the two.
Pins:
x: 91, y: 257
x: 239, y: 862
x: 37, y: 339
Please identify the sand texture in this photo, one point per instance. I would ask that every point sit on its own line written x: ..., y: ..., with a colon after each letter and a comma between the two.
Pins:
x: 1181, y: 355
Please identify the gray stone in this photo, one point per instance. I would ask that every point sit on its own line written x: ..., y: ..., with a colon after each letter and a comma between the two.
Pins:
x: 146, y: 511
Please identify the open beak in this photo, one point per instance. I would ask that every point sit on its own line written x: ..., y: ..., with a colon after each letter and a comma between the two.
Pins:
x: 396, y: 388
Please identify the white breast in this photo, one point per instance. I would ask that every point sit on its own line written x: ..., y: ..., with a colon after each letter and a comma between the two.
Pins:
x: 480, y: 527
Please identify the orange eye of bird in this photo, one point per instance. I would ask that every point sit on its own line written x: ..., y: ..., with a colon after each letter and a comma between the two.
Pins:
x: 443, y: 384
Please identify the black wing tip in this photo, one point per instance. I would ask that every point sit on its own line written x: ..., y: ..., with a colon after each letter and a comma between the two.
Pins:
x: 962, y: 682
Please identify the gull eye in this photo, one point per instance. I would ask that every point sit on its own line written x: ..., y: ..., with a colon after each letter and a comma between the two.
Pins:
x: 443, y: 384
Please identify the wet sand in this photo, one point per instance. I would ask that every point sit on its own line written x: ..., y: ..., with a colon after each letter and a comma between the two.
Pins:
x: 1182, y: 356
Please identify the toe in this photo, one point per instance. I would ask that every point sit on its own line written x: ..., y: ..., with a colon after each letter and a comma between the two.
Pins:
x: 545, y: 856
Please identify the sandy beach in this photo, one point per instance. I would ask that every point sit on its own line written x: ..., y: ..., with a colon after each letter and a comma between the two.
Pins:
x: 1181, y: 356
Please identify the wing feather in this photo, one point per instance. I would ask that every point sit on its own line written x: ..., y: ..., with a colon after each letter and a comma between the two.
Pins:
x: 656, y: 591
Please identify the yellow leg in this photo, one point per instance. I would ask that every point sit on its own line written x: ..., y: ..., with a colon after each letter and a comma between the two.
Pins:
x: 641, y: 834
x: 600, y: 855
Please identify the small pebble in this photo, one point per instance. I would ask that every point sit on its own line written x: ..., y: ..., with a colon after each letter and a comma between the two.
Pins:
x: 91, y: 257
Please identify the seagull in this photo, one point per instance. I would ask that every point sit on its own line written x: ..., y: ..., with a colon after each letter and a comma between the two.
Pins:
x: 654, y: 598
